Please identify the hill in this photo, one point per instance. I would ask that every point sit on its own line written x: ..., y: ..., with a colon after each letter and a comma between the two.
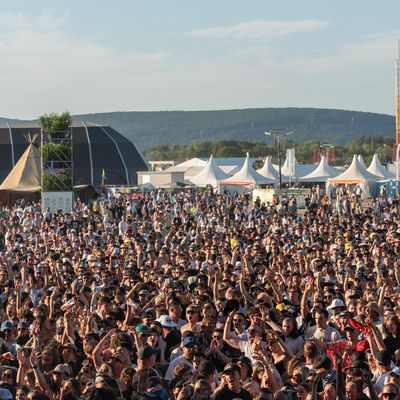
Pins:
x: 182, y: 127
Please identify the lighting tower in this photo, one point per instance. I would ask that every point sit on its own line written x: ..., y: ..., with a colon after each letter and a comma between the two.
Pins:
x: 398, y: 95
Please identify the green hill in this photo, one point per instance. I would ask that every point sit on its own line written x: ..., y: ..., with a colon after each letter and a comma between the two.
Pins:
x: 182, y: 127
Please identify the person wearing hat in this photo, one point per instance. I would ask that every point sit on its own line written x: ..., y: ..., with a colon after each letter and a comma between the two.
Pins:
x: 246, y: 372
x: 146, y: 373
x: 341, y: 347
x: 9, y: 340
x: 383, y: 360
x: 231, y: 387
x: 189, y: 347
x: 172, y: 337
x: 70, y: 356
x: 373, y: 313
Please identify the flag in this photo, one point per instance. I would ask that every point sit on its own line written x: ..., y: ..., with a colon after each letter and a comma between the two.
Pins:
x: 315, y: 156
x: 319, y: 155
x: 328, y: 155
x: 103, y: 181
x: 333, y: 154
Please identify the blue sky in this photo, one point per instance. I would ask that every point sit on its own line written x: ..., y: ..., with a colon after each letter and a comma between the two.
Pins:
x: 96, y: 56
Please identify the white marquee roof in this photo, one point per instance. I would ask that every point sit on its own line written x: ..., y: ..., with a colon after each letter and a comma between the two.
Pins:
x: 247, y: 175
x: 211, y: 174
x: 378, y: 169
x: 354, y: 174
x: 321, y: 173
x: 268, y: 170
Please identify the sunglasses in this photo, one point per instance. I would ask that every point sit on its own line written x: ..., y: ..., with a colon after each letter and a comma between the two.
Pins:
x: 191, y: 312
x: 237, y: 320
x: 7, y: 376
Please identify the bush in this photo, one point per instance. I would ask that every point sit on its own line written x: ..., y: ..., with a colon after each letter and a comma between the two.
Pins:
x: 56, y: 152
x: 55, y: 123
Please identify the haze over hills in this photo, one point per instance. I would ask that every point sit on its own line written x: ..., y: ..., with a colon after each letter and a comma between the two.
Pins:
x: 173, y: 127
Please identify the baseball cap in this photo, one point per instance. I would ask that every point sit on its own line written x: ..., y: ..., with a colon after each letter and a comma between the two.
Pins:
x: 335, y: 304
x: 383, y: 357
x: 5, y: 394
x: 189, y: 341
x: 62, y: 369
x: 373, y: 306
x: 231, y: 367
x: 7, y: 326
x: 142, y: 328
x: 159, y: 394
x: 166, y: 321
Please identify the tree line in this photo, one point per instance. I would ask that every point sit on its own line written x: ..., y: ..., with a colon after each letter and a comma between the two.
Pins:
x: 306, y: 151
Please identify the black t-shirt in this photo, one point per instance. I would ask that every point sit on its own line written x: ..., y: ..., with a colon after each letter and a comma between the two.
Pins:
x: 173, y: 338
x: 226, y: 394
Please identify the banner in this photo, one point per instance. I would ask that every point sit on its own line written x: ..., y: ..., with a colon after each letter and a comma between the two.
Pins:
x: 57, y: 201
x: 291, y: 158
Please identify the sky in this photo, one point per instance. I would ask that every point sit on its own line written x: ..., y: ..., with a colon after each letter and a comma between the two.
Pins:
x: 91, y: 56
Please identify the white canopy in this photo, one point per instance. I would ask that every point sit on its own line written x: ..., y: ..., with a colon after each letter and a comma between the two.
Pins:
x: 247, y: 175
x: 354, y: 174
x: 378, y: 169
x: 323, y: 172
x: 268, y: 170
x: 299, y: 170
x: 361, y: 161
x: 211, y: 174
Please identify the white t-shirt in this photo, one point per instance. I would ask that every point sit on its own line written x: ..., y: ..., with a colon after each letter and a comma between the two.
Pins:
x: 327, y: 335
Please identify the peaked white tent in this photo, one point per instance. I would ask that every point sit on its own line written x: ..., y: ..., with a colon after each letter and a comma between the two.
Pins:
x: 268, y: 171
x: 378, y: 169
x: 361, y: 161
x: 211, y: 174
x: 247, y: 176
x: 321, y: 173
x: 299, y: 170
x: 354, y: 174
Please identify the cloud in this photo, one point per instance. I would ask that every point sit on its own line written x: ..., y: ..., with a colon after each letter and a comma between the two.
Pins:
x: 47, y: 20
x: 259, y: 29
x: 47, y: 68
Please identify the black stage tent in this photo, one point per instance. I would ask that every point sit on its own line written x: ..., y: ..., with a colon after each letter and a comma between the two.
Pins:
x: 96, y: 148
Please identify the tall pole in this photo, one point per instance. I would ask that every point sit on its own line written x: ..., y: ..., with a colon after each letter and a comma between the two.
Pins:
x: 398, y: 95
x: 277, y: 133
x: 397, y: 168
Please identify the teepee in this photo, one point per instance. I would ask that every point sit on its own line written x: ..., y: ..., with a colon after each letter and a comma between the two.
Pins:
x: 23, y: 181
x: 25, y: 176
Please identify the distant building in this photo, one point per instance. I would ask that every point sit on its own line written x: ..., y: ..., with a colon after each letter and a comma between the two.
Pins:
x: 96, y: 148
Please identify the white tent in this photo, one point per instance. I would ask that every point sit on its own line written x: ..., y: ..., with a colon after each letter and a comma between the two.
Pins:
x: 299, y: 170
x: 247, y: 176
x: 361, y: 161
x: 268, y: 170
x: 321, y: 173
x: 378, y: 169
x: 354, y: 174
x: 211, y: 174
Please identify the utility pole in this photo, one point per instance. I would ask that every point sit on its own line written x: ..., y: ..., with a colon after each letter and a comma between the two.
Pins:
x: 277, y: 133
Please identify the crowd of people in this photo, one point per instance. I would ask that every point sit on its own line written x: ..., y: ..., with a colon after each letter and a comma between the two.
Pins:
x: 194, y: 295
